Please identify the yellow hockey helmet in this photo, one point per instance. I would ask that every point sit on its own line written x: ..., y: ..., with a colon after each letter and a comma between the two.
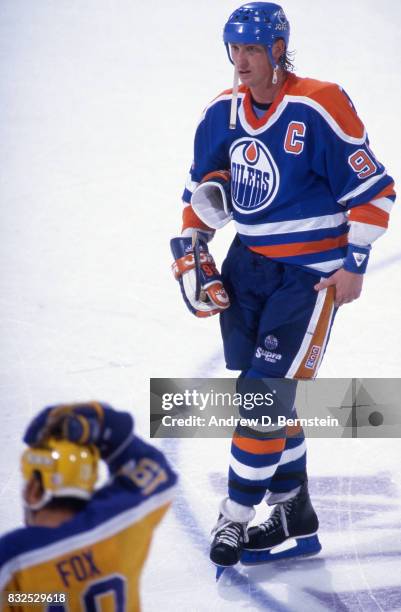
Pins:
x: 66, y: 469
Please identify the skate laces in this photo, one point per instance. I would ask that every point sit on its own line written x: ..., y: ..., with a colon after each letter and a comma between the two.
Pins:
x: 279, y: 517
x: 230, y: 533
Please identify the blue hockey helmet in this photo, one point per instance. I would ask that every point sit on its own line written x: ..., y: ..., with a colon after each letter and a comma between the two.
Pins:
x: 258, y: 23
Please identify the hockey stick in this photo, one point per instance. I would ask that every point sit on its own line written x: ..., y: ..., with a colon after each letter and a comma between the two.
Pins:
x: 196, y: 252
x: 200, y: 294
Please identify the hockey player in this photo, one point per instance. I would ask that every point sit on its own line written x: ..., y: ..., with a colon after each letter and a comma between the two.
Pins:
x: 288, y: 159
x: 84, y: 547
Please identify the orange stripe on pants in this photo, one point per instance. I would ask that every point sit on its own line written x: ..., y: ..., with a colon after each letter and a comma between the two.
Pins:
x: 310, y: 361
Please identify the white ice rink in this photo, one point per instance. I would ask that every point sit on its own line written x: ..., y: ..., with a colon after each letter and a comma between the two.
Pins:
x: 99, y: 102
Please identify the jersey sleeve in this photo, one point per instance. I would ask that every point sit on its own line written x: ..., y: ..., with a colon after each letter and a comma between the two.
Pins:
x: 144, y: 469
x: 357, y: 179
x: 210, y: 153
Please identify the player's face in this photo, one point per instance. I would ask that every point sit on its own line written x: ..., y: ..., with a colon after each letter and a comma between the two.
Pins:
x: 253, y: 65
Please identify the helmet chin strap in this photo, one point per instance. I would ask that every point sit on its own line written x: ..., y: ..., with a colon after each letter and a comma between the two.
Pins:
x: 274, y: 65
x: 234, y: 98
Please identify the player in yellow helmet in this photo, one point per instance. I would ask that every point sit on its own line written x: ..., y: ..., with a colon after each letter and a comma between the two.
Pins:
x: 83, y: 548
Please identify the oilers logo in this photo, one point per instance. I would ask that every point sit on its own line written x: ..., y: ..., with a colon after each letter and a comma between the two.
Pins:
x: 271, y: 342
x: 282, y: 21
x: 254, y: 175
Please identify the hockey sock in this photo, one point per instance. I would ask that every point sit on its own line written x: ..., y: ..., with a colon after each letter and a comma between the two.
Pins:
x: 256, y: 450
x: 291, y: 471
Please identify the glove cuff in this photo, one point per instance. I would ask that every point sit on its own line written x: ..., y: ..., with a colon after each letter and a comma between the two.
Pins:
x: 211, y: 199
x: 357, y: 258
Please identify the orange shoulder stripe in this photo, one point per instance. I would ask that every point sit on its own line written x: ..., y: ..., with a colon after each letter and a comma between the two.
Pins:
x: 332, y: 99
x: 227, y: 92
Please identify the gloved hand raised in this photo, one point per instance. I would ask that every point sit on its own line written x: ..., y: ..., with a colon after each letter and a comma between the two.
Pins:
x: 83, y: 423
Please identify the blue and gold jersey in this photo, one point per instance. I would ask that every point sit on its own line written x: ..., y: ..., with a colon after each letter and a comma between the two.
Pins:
x: 96, y: 558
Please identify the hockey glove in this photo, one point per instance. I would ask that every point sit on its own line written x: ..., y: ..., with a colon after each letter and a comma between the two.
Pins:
x: 200, y: 282
x: 211, y: 200
x: 87, y: 423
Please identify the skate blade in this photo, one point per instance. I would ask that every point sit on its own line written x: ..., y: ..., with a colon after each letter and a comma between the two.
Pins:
x: 220, y: 569
x: 304, y: 546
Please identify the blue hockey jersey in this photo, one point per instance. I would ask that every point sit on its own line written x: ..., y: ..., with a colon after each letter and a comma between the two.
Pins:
x: 304, y: 181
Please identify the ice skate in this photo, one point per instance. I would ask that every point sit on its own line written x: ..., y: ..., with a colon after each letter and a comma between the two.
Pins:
x: 227, y: 544
x: 294, y: 519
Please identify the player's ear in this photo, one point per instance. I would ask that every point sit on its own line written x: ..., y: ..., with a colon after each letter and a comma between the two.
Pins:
x: 278, y: 49
x: 33, y: 491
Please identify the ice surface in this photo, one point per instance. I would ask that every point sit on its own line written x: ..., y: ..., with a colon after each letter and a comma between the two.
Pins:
x: 99, y: 101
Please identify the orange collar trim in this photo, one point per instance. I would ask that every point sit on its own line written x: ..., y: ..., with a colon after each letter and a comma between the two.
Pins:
x: 258, y: 122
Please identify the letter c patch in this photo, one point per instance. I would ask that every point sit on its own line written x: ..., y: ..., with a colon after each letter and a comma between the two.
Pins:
x: 294, y: 142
